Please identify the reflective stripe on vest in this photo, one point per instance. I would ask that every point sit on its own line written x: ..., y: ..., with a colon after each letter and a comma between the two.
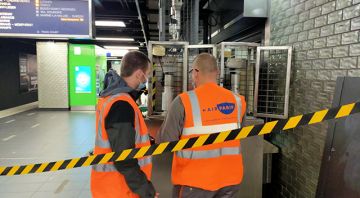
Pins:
x: 144, y: 161
x: 140, y: 139
x: 111, y: 168
x: 239, y: 107
x: 104, y: 168
x: 100, y: 142
x: 195, y: 108
x: 209, y: 153
x: 209, y: 129
x: 198, y: 129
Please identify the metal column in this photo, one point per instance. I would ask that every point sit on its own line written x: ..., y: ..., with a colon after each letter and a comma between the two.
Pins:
x: 194, y: 30
x: 162, y: 19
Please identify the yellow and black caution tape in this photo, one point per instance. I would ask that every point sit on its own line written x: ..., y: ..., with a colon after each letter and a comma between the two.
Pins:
x: 156, y: 149
x: 153, y: 89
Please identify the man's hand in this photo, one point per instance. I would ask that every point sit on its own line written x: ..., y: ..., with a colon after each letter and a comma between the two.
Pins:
x: 91, y: 152
x: 152, y: 140
x: 157, y: 195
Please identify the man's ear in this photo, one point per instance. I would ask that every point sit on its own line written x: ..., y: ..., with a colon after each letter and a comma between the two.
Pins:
x: 196, y: 74
x: 138, y: 73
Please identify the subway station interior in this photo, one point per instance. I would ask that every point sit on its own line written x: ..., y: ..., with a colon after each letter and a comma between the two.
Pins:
x: 288, y: 58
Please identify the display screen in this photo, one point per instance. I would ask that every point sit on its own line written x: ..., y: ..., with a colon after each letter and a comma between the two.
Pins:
x: 45, y: 18
x: 82, y: 79
x: 28, y: 73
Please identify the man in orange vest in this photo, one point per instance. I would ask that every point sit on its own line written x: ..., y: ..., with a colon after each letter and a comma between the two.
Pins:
x: 213, y: 170
x: 119, y: 126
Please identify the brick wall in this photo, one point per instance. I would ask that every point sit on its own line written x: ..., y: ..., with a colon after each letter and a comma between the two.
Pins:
x: 325, y: 38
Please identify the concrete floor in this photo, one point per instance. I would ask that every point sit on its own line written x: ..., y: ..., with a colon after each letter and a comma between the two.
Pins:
x: 39, y: 136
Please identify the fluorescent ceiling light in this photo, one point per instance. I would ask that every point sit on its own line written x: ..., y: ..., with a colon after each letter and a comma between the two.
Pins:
x: 113, y: 39
x: 113, y: 58
x: 110, y: 23
x: 119, y: 52
x: 122, y: 47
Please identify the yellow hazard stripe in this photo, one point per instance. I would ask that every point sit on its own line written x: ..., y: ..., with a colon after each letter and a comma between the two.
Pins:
x: 199, y: 141
x: 345, y: 110
x: 57, y: 165
x: 244, y: 132
x: 106, y: 158
x: 27, y: 169
x: 268, y: 127
x: 142, y: 152
x: 89, y: 160
x: 41, y: 168
x: 2, y: 169
x: 222, y: 136
x: 180, y: 145
x: 160, y: 149
x: 293, y: 122
x: 72, y: 163
x: 124, y: 154
x: 318, y: 116
x: 13, y: 170
x: 153, y: 90
x: 153, y: 80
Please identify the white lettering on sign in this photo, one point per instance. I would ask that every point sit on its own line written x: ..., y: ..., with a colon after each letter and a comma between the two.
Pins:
x: 23, y: 24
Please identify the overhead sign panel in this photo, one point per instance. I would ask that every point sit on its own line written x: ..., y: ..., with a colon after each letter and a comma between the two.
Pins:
x: 45, y: 18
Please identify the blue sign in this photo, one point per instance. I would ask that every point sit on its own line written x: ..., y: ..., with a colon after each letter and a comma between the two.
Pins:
x: 82, y: 79
x: 50, y: 18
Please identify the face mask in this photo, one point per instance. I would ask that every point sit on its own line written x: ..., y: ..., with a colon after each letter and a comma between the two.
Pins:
x: 193, y: 84
x: 142, y: 85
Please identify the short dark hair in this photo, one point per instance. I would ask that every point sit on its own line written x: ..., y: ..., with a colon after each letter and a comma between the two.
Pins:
x: 133, y: 61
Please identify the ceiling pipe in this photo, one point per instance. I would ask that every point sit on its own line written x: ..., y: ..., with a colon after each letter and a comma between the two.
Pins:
x: 162, y: 20
x: 141, y: 21
x: 175, y: 27
x: 194, y: 20
x: 98, y: 4
x: 122, y: 5
x: 127, y: 5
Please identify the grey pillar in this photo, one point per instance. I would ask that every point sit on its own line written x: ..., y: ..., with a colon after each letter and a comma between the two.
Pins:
x: 162, y: 20
x: 194, y: 29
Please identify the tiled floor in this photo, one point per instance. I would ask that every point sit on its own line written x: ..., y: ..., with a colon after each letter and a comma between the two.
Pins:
x: 39, y: 136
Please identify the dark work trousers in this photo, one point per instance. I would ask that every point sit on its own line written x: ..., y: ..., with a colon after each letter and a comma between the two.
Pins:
x: 191, y: 192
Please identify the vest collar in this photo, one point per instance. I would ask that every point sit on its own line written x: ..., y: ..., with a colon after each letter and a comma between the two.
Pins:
x: 209, y: 84
x: 118, y: 85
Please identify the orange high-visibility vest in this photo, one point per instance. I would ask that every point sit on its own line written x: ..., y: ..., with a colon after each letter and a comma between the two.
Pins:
x: 106, y: 181
x: 210, y: 109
